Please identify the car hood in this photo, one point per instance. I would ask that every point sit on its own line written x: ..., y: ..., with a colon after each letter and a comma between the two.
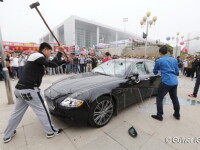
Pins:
x: 70, y: 85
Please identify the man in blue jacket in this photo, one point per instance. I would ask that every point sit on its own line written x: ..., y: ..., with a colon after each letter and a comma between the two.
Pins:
x: 168, y: 68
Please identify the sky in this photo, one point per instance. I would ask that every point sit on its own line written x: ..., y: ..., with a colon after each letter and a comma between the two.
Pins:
x: 19, y: 23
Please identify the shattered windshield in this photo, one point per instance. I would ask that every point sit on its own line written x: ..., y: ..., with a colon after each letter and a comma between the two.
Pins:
x: 115, y: 67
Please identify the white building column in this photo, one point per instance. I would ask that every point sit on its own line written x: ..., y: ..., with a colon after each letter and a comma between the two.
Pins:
x: 97, y: 35
x: 116, y: 38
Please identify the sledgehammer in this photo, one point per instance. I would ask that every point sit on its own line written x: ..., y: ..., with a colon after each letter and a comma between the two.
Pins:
x: 35, y: 5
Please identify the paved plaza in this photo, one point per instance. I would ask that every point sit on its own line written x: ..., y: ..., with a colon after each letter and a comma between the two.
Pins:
x: 170, y: 134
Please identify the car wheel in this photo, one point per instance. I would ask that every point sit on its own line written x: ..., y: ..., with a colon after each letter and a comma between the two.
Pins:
x: 101, y: 112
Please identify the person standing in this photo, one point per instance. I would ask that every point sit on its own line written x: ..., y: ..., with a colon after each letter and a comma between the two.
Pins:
x: 1, y: 70
x: 68, y: 64
x: 14, y: 61
x: 21, y: 64
x: 94, y: 62
x: 180, y: 64
x: 81, y: 63
x: 75, y: 60
x: 89, y: 64
x: 169, y: 70
x: 196, y: 87
x: 28, y: 93
x: 107, y: 57
x: 8, y: 64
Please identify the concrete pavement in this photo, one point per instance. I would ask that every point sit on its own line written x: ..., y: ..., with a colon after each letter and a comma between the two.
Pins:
x: 152, y: 134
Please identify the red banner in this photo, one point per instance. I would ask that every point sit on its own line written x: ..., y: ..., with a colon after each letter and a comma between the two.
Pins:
x: 55, y: 49
x: 16, y: 46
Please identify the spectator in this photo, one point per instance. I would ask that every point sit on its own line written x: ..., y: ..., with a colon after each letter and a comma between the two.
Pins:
x: 22, y: 62
x: 89, y: 64
x: 94, y: 62
x: 107, y: 57
x: 68, y: 64
x: 75, y: 61
x: 1, y: 70
x: 8, y: 64
x: 196, y: 87
x: 81, y: 63
x: 14, y: 61
x: 180, y: 64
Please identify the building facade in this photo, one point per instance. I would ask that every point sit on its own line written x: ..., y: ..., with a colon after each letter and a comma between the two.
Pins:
x: 85, y: 33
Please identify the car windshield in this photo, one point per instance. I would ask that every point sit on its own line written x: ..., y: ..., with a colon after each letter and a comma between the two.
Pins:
x: 115, y: 67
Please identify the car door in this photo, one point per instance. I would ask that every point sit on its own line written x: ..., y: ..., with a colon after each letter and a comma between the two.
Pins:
x: 137, y: 89
x: 154, y: 80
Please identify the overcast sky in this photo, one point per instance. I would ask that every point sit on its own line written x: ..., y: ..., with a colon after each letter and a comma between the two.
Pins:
x: 19, y: 23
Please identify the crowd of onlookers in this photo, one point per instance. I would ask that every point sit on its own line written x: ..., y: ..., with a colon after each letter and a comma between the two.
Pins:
x: 85, y: 63
x: 14, y: 64
x: 189, y: 66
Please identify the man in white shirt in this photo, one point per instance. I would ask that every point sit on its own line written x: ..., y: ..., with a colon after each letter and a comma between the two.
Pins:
x: 14, y: 62
x: 21, y: 63
x: 185, y: 65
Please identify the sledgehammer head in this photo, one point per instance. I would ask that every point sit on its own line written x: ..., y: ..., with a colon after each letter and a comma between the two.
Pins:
x: 34, y: 5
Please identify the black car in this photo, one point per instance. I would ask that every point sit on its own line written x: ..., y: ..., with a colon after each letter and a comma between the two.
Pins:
x: 96, y: 96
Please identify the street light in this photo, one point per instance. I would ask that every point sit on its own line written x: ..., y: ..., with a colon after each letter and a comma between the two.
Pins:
x: 125, y: 20
x: 147, y: 21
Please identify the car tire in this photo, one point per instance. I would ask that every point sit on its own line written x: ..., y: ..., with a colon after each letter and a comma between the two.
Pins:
x: 101, y: 112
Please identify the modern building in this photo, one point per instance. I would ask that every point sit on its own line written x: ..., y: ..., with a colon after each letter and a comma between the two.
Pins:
x: 85, y: 33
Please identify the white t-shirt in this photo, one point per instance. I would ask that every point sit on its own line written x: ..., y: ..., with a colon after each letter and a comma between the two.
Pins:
x: 22, y: 61
x: 185, y: 64
x: 14, y: 62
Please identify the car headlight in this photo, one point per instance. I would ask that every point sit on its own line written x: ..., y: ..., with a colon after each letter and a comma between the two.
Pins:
x: 71, y: 102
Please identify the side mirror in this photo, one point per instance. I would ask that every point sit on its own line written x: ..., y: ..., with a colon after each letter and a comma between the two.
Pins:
x: 135, y: 77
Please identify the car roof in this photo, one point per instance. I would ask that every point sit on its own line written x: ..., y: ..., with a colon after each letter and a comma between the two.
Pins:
x: 133, y: 60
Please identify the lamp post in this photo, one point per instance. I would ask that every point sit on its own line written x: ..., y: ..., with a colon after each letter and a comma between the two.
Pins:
x: 5, y: 72
x: 125, y: 20
x: 177, y: 40
x: 147, y: 21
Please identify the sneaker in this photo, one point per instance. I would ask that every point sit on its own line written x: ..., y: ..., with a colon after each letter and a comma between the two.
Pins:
x: 55, y: 133
x: 191, y: 95
x: 9, y: 139
x: 176, y: 116
x: 156, y: 117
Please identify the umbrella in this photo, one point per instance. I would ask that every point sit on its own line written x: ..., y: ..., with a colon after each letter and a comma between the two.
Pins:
x: 28, y: 52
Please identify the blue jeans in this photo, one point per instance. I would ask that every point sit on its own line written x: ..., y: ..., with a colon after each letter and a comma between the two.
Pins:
x: 68, y: 68
x: 196, y: 87
x: 162, y: 91
x: 76, y: 68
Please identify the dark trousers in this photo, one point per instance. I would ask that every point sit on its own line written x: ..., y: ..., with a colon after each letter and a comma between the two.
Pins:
x: 196, y: 87
x: 81, y: 67
x: 15, y: 70
x: 20, y: 71
x: 1, y: 75
x: 75, y: 68
x: 162, y: 91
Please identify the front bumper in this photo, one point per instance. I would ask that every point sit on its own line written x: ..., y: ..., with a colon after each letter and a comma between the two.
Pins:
x: 71, y: 115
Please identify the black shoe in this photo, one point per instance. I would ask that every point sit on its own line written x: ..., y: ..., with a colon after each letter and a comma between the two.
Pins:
x: 176, y: 116
x: 132, y: 132
x: 9, y: 139
x: 55, y: 133
x: 156, y: 117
